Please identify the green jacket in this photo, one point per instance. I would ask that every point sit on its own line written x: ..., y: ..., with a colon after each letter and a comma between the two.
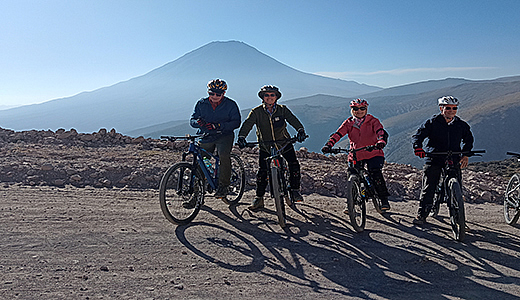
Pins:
x: 270, y: 127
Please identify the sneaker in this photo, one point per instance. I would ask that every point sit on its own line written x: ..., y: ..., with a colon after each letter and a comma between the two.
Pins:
x: 296, y: 196
x: 189, y: 204
x: 385, y: 206
x: 222, y: 194
x: 419, y: 220
x: 258, y: 203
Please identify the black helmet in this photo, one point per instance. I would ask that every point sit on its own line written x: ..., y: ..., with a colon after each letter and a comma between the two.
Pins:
x: 217, y: 86
x: 269, y: 88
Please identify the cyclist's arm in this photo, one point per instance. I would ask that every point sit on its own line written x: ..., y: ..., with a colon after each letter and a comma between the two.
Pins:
x: 233, y: 120
x: 467, y: 139
x: 340, y: 133
x: 292, y: 119
x: 195, y: 116
x: 248, y: 123
x: 420, y: 135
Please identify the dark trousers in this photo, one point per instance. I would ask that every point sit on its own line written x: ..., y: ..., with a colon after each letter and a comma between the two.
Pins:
x: 223, y: 145
x: 375, y: 169
x: 294, y: 170
x: 430, y: 180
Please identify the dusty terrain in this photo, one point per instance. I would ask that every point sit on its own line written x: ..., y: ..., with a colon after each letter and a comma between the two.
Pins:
x: 84, y: 222
x: 88, y: 243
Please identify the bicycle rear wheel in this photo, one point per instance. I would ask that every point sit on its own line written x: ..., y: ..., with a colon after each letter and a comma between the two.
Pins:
x: 457, y: 213
x: 356, y: 204
x: 238, y: 179
x: 276, y: 188
x: 512, y: 200
x: 180, y: 186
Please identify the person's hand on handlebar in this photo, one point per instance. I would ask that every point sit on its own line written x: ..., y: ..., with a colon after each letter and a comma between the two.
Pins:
x: 419, y: 152
x: 301, y: 136
x: 327, y: 148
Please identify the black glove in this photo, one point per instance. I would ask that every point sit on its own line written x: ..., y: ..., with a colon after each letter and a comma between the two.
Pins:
x: 201, y: 122
x: 380, y: 145
x: 326, y: 149
x: 301, y: 136
x: 212, y: 126
x: 241, y: 142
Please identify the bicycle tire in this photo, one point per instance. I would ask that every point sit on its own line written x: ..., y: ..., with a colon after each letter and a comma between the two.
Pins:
x: 175, y: 189
x: 377, y: 203
x: 457, y: 213
x: 512, y: 200
x: 356, y: 204
x: 276, y: 188
x: 238, y: 179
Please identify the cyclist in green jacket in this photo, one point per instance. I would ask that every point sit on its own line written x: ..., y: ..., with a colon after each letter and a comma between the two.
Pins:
x: 271, y: 120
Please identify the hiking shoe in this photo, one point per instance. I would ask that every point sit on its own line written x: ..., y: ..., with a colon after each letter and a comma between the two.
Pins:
x: 258, y: 203
x: 296, y: 196
x: 385, y: 206
x: 419, y: 220
x: 189, y: 204
x: 222, y: 194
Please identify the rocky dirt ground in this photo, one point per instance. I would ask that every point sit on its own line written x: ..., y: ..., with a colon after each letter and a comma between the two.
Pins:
x: 81, y: 220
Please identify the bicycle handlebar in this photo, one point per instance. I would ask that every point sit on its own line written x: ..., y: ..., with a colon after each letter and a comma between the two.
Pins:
x: 290, y: 140
x: 514, y: 154
x: 186, y: 137
x: 449, y: 153
x: 339, y: 150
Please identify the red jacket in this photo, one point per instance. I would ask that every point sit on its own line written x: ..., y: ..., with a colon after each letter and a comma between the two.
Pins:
x: 369, y: 133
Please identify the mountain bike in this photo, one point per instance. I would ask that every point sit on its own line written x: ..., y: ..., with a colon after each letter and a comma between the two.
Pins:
x: 188, y: 181
x: 449, y: 191
x: 359, y: 189
x: 278, y: 174
x: 512, y: 196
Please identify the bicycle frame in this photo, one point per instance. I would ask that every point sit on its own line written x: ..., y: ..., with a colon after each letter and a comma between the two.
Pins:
x: 198, y: 159
x: 276, y: 160
x: 198, y: 154
x: 360, y: 171
x: 450, y: 170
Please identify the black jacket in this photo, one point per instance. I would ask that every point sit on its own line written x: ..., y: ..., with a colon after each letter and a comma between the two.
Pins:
x: 443, y: 136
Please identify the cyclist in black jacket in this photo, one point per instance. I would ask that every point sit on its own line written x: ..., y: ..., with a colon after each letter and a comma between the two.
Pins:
x: 445, y: 132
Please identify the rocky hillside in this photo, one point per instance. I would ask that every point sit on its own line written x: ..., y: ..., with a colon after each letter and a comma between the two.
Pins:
x: 107, y: 159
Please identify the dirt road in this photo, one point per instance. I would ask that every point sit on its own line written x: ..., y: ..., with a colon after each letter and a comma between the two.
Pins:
x: 86, y: 243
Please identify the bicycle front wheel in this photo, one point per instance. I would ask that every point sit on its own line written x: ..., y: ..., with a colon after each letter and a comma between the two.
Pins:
x: 238, y: 179
x: 181, y: 193
x: 356, y: 204
x: 457, y: 213
x: 512, y: 200
x: 276, y: 188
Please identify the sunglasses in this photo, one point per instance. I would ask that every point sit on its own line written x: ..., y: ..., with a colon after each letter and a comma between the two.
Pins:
x: 269, y: 95
x: 450, y: 108
x: 355, y: 108
x: 214, y: 94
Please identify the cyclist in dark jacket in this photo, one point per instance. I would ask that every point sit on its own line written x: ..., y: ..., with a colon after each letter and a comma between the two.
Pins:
x: 271, y: 120
x: 218, y: 116
x: 445, y: 132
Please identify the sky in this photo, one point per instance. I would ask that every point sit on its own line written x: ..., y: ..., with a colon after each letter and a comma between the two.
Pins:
x: 58, y: 48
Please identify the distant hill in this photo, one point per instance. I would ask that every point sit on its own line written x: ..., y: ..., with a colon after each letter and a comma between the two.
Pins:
x: 169, y: 93
x: 491, y: 107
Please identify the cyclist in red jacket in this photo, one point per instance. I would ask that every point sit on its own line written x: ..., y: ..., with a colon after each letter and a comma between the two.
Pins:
x: 363, y: 129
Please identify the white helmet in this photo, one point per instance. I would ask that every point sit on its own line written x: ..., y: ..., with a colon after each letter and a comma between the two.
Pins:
x: 448, y: 100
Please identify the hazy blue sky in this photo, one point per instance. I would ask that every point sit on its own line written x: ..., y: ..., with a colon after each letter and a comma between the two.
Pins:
x: 57, y: 48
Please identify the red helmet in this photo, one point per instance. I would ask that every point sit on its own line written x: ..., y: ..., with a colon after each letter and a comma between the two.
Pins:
x: 358, y: 102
